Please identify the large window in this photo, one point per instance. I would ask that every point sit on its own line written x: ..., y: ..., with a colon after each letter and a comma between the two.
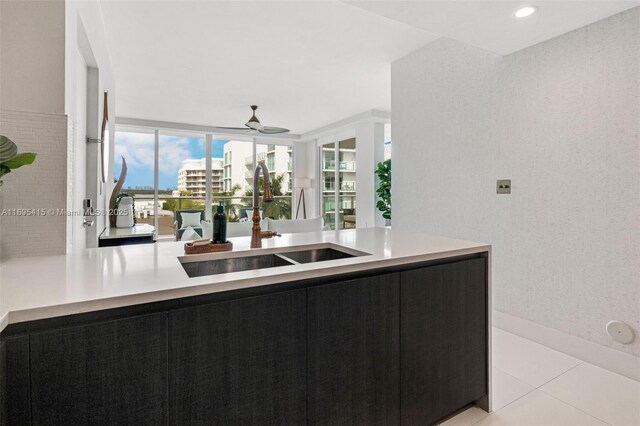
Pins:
x: 237, y: 175
x: 182, y: 176
x: 338, y: 183
x: 279, y: 161
x: 138, y: 150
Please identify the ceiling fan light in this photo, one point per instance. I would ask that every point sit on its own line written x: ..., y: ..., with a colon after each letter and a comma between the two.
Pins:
x: 254, y: 124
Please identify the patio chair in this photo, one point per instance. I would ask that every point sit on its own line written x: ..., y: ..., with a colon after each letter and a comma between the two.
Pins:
x: 185, y: 218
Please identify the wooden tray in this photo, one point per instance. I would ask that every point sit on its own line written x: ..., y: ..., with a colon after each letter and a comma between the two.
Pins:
x: 189, y: 248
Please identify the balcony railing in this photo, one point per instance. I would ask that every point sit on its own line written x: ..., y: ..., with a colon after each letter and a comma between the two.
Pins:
x: 233, y: 205
x: 345, y: 166
x: 344, y: 186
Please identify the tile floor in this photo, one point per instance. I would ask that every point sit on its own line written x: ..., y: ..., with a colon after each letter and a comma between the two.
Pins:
x: 536, y: 385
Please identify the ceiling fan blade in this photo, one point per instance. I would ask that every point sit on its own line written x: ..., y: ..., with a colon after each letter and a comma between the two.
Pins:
x: 236, y: 129
x: 268, y: 130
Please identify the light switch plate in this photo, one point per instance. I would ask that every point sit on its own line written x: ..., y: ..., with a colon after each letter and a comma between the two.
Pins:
x: 503, y: 186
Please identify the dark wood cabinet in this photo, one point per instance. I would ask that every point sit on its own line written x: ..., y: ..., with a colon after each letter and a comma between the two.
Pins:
x: 406, y: 346
x: 15, y: 399
x: 354, y: 348
x: 3, y: 383
x: 444, y: 340
x: 101, y: 374
x: 240, y: 362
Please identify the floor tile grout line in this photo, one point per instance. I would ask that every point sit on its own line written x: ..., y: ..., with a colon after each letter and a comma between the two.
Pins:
x: 561, y: 374
x: 532, y: 390
x: 537, y: 344
x: 537, y: 386
x: 571, y: 405
x: 514, y: 377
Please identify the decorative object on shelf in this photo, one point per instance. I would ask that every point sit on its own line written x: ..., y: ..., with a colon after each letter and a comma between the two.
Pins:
x: 124, y: 208
x: 9, y: 157
x: 206, y: 246
x: 114, y: 194
x: 383, y: 171
x: 302, y: 183
x: 104, y: 140
x: 120, y: 197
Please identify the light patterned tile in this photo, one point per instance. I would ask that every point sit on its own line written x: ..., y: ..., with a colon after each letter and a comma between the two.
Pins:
x: 608, y: 396
x: 506, y: 389
x: 468, y: 417
x: 527, y: 361
x: 539, y: 409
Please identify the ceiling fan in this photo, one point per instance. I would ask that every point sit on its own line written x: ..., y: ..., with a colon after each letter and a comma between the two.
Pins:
x: 253, y: 126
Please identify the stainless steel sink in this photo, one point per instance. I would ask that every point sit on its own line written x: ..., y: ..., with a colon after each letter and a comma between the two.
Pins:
x: 223, y: 263
x: 233, y: 264
x: 316, y: 255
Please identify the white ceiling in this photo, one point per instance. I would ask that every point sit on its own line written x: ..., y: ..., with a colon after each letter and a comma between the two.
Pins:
x: 490, y: 25
x: 305, y: 63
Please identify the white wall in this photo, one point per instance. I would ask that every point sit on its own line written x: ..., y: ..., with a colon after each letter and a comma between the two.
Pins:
x: 32, y: 115
x: 86, y: 42
x: 36, y: 192
x: 32, y: 56
x: 561, y: 119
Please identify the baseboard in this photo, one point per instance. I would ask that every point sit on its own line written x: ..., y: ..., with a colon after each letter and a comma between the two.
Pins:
x: 602, y: 356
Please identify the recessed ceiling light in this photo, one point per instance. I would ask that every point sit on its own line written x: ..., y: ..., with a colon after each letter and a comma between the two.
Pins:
x: 523, y: 12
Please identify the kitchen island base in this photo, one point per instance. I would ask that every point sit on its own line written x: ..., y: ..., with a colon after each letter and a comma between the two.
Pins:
x: 407, y: 344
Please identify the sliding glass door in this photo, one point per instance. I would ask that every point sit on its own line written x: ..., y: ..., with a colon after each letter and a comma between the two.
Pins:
x: 338, y: 183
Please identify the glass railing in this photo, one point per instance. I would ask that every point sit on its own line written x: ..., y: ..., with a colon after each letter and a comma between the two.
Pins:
x: 348, y: 165
x: 344, y: 186
x: 235, y: 207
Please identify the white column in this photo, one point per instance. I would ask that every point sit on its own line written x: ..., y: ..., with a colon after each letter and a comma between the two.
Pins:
x: 208, y: 154
x: 369, y: 151
x: 155, y: 179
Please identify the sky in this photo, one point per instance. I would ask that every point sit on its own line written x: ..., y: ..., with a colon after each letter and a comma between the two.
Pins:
x: 137, y: 149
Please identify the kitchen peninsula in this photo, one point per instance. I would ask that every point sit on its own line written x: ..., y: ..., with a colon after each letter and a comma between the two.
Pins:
x: 393, y: 330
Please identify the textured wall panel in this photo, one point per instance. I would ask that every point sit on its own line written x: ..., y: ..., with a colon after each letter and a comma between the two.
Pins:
x: 561, y: 119
x: 41, y: 185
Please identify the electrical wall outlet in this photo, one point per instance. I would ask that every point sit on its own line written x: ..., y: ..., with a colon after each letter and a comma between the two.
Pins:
x: 503, y: 186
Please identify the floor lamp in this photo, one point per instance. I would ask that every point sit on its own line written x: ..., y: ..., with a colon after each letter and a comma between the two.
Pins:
x: 302, y: 183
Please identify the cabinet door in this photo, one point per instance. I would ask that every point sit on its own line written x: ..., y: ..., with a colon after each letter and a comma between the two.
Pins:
x: 240, y: 362
x: 354, y: 352
x: 101, y: 374
x: 444, y: 349
x: 3, y: 384
x: 15, y: 403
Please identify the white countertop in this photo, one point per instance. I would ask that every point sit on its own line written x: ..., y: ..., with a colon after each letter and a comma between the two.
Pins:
x: 94, y: 279
x: 138, y: 230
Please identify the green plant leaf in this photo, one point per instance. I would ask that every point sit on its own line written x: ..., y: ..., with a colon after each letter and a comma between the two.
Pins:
x: 4, y: 170
x: 8, y: 149
x: 20, y: 160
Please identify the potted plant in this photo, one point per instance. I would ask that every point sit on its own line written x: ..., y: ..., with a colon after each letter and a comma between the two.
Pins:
x: 383, y: 171
x: 9, y: 157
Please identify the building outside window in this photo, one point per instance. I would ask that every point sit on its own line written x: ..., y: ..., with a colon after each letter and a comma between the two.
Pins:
x: 338, y: 199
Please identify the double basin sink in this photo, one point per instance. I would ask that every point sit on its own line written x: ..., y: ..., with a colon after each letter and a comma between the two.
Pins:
x: 202, y: 265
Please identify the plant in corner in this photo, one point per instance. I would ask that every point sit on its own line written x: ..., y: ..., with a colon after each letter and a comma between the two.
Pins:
x: 9, y: 157
x: 383, y: 171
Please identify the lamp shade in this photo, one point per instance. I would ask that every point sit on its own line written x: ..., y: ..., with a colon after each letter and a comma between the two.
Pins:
x: 302, y: 182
